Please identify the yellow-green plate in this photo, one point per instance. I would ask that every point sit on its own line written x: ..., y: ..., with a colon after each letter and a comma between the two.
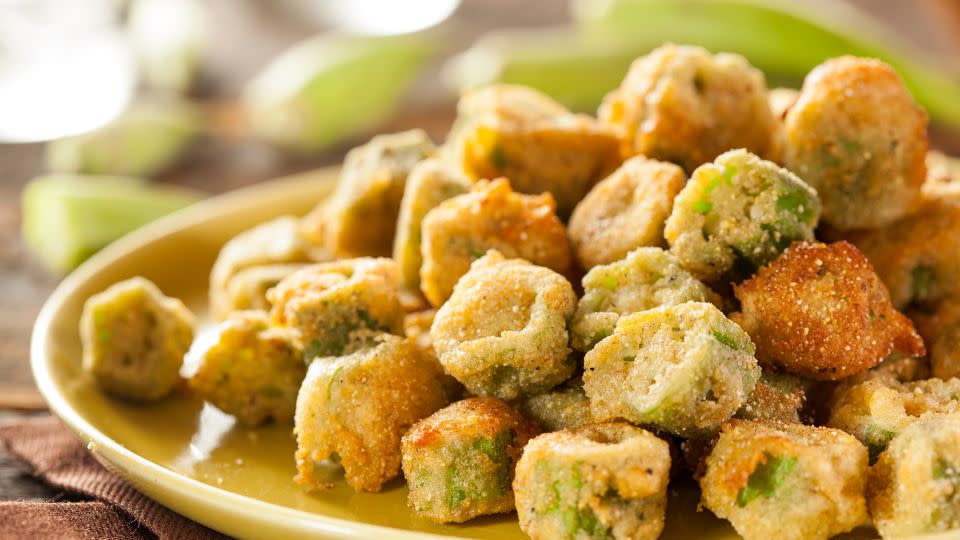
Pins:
x: 191, y: 457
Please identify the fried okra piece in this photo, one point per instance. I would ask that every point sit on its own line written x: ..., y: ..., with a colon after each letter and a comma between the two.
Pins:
x: 943, y: 177
x: 647, y: 278
x: 536, y: 143
x: 624, y: 211
x: 777, y: 396
x: 684, y: 368
x: 914, y: 487
x: 605, y: 480
x: 780, y: 100
x: 247, y: 289
x: 430, y: 183
x: 503, y: 333
x: 134, y: 339
x: 253, y: 371
x: 941, y: 331
x: 459, y: 461
x: 276, y: 242
x: 339, y: 306
x: 462, y: 229
x: 359, y: 406
x: 737, y: 214
x: 685, y: 105
x: 876, y: 410
x: 564, y: 407
x: 918, y: 257
x: 819, y: 311
x: 856, y: 135
x: 360, y: 219
x: 786, y: 480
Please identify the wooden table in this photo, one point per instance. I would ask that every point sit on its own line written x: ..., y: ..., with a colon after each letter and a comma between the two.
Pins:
x: 244, y: 41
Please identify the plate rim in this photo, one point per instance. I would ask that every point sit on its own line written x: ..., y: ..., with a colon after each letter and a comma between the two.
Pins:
x: 131, y: 465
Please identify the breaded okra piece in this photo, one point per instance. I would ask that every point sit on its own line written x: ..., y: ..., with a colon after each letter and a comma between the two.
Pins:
x: 786, y: 481
x: 605, y: 480
x: 856, y: 135
x: 943, y: 177
x: 941, y: 332
x: 876, y: 411
x: 820, y: 311
x: 780, y: 100
x: 276, y: 242
x: 360, y: 219
x: 624, y: 211
x: 359, y: 406
x: 777, y: 396
x: 247, y: 289
x: 737, y: 214
x: 253, y: 371
x: 684, y: 368
x: 917, y: 257
x: 564, y: 407
x: 431, y: 182
x: 685, y: 105
x: 459, y: 461
x: 503, y: 332
x: 647, y: 278
x: 462, y: 229
x: 518, y: 133
x: 914, y: 487
x: 134, y: 339
x: 339, y: 306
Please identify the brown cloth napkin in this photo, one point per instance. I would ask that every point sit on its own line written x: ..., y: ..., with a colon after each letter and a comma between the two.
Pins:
x: 55, y: 455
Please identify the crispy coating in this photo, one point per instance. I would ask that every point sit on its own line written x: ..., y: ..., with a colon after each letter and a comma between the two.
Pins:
x: 777, y: 397
x: 856, y: 135
x: 896, y: 368
x: 941, y: 331
x: 430, y: 183
x: 564, y: 407
x: 918, y: 257
x: 523, y: 135
x: 786, y: 480
x: 247, y: 289
x: 460, y: 230
x: 647, y: 278
x: 459, y: 461
x: 914, y: 488
x: 820, y: 311
x: 943, y: 177
x: 780, y: 101
x: 360, y: 219
x: 359, y: 406
x: 503, y: 332
x: 605, y: 480
x: 134, y: 339
x: 276, y: 242
x: 737, y: 214
x: 625, y: 210
x: 684, y: 368
x: 876, y: 410
x: 685, y: 105
x: 339, y: 306
x: 253, y: 371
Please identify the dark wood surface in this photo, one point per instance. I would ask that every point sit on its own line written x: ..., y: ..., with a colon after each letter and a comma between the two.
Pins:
x: 243, y: 43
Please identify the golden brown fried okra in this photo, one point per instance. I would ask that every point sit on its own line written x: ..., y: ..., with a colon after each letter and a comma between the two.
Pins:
x: 247, y: 289
x: 915, y: 485
x: 564, y: 407
x: 598, y: 481
x: 459, y: 461
x: 276, y: 242
x: 685, y: 105
x: 360, y: 219
x: 820, y: 311
x: 462, y: 229
x: 360, y: 405
x: 856, y: 135
x: 503, y: 332
x: 253, y: 371
x: 339, y: 306
x: 780, y: 100
x: 777, y: 396
x: 134, y: 339
x: 430, y: 183
x: 918, y: 257
x: 943, y: 177
x: 647, y: 278
x: 684, y: 368
x: 786, y: 480
x: 941, y: 331
x: 737, y: 214
x: 625, y: 210
x: 518, y: 133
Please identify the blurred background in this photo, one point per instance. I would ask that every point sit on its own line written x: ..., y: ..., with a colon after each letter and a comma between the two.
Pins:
x: 181, y: 99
